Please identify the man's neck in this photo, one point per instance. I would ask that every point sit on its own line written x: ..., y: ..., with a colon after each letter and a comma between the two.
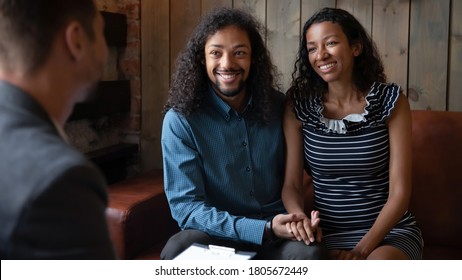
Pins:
x: 50, y: 95
x: 237, y: 102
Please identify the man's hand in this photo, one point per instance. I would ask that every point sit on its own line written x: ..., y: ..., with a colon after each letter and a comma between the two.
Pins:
x: 280, y: 221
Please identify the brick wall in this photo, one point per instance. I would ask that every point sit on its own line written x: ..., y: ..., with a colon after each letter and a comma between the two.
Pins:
x: 123, y: 64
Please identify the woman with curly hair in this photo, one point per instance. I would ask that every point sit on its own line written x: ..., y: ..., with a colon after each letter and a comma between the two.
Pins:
x: 351, y: 131
x: 223, y: 144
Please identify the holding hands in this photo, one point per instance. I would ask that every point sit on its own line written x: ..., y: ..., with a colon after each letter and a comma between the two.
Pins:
x: 298, y: 226
x: 306, y: 230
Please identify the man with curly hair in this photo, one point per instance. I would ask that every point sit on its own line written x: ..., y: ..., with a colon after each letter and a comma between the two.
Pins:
x: 223, y: 144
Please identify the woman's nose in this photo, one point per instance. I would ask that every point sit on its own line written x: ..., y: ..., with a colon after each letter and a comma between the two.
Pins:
x: 321, y: 54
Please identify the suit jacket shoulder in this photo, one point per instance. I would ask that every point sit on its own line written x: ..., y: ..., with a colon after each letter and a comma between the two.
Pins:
x: 53, y: 200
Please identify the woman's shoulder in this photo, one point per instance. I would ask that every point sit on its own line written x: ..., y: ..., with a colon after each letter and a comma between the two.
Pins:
x: 382, y: 99
x: 378, y: 88
x: 308, y: 109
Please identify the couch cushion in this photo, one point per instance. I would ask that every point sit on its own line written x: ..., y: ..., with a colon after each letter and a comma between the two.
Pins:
x: 437, y: 181
x: 138, y: 215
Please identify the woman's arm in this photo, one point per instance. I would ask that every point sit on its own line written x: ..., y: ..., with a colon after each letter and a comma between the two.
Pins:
x: 400, y: 132
x: 293, y: 192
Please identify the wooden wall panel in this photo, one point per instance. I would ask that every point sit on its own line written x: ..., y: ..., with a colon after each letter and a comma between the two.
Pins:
x: 361, y: 9
x: 455, y: 56
x: 207, y: 5
x: 255, y: 7
x: 155, y: 67
x: 391, y: 38
x: 283, y: 27
x: 184, y: 16
x: 420, y: 42
x: 309, y: 7
x: 428, y: 54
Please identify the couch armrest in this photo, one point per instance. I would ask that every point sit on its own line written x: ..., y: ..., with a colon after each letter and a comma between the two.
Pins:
x: 437, y: 181
x: 138, y: 214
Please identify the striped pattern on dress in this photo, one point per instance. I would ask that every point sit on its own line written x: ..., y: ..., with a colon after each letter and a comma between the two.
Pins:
x: 351, y: 173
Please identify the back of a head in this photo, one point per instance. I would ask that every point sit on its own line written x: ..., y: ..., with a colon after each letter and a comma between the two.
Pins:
x: 28, y: 28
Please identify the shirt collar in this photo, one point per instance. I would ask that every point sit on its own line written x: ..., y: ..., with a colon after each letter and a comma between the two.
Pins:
x: 223, y: 108
x: 60, y: 130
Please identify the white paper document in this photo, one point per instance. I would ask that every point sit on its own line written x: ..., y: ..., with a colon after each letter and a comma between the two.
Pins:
x: 212, y: 252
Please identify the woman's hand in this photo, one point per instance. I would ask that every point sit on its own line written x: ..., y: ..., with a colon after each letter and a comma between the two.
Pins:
x: 305, y: 229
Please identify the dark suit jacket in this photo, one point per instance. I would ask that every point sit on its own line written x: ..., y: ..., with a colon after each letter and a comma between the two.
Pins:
x: 52, y: 200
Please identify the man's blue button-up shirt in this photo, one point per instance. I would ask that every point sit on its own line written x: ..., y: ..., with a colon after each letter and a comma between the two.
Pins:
x: 223, y: 172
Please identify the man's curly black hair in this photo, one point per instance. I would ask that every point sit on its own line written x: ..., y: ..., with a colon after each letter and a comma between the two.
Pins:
x: 190, y: 81
x: 368, y: 67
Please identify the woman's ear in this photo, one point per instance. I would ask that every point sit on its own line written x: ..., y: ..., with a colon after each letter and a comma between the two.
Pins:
x: 357, y: 49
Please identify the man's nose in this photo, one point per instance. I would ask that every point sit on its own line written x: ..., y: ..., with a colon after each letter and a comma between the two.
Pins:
x: 227, y: 60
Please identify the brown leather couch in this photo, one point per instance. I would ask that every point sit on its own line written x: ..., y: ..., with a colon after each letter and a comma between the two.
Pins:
x: 140, y: 220
x: 139, y: 216
x: 437, y: 182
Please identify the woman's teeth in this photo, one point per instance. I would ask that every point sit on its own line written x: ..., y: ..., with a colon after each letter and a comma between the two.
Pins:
x: 327, y: 66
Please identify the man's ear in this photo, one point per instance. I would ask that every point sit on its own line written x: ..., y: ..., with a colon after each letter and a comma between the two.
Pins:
x: 75, y: 40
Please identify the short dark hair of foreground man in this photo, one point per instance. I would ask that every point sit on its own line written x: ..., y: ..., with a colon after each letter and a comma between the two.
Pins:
x: 52, y: 203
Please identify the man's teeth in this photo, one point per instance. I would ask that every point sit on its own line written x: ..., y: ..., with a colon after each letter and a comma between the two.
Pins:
x: 327, y: 66
x: 228, y: 76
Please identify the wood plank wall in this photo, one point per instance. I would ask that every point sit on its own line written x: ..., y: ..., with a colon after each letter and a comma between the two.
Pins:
x: 420, y: 42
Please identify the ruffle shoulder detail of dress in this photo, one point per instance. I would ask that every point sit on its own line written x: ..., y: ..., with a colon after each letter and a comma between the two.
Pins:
x: 380, y: 102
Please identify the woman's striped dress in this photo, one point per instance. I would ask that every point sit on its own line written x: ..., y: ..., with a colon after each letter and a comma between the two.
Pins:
x: 349, y: 162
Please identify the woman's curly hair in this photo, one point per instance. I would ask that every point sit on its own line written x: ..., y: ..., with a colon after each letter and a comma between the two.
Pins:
x: 368, y: 67
x: 190, y: 81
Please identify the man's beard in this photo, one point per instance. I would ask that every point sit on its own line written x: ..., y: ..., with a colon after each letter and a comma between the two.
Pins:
x: 229, y: 92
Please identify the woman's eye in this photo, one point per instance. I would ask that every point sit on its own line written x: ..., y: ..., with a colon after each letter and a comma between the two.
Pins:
x: 240, y: 53
x: 332, y: 43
